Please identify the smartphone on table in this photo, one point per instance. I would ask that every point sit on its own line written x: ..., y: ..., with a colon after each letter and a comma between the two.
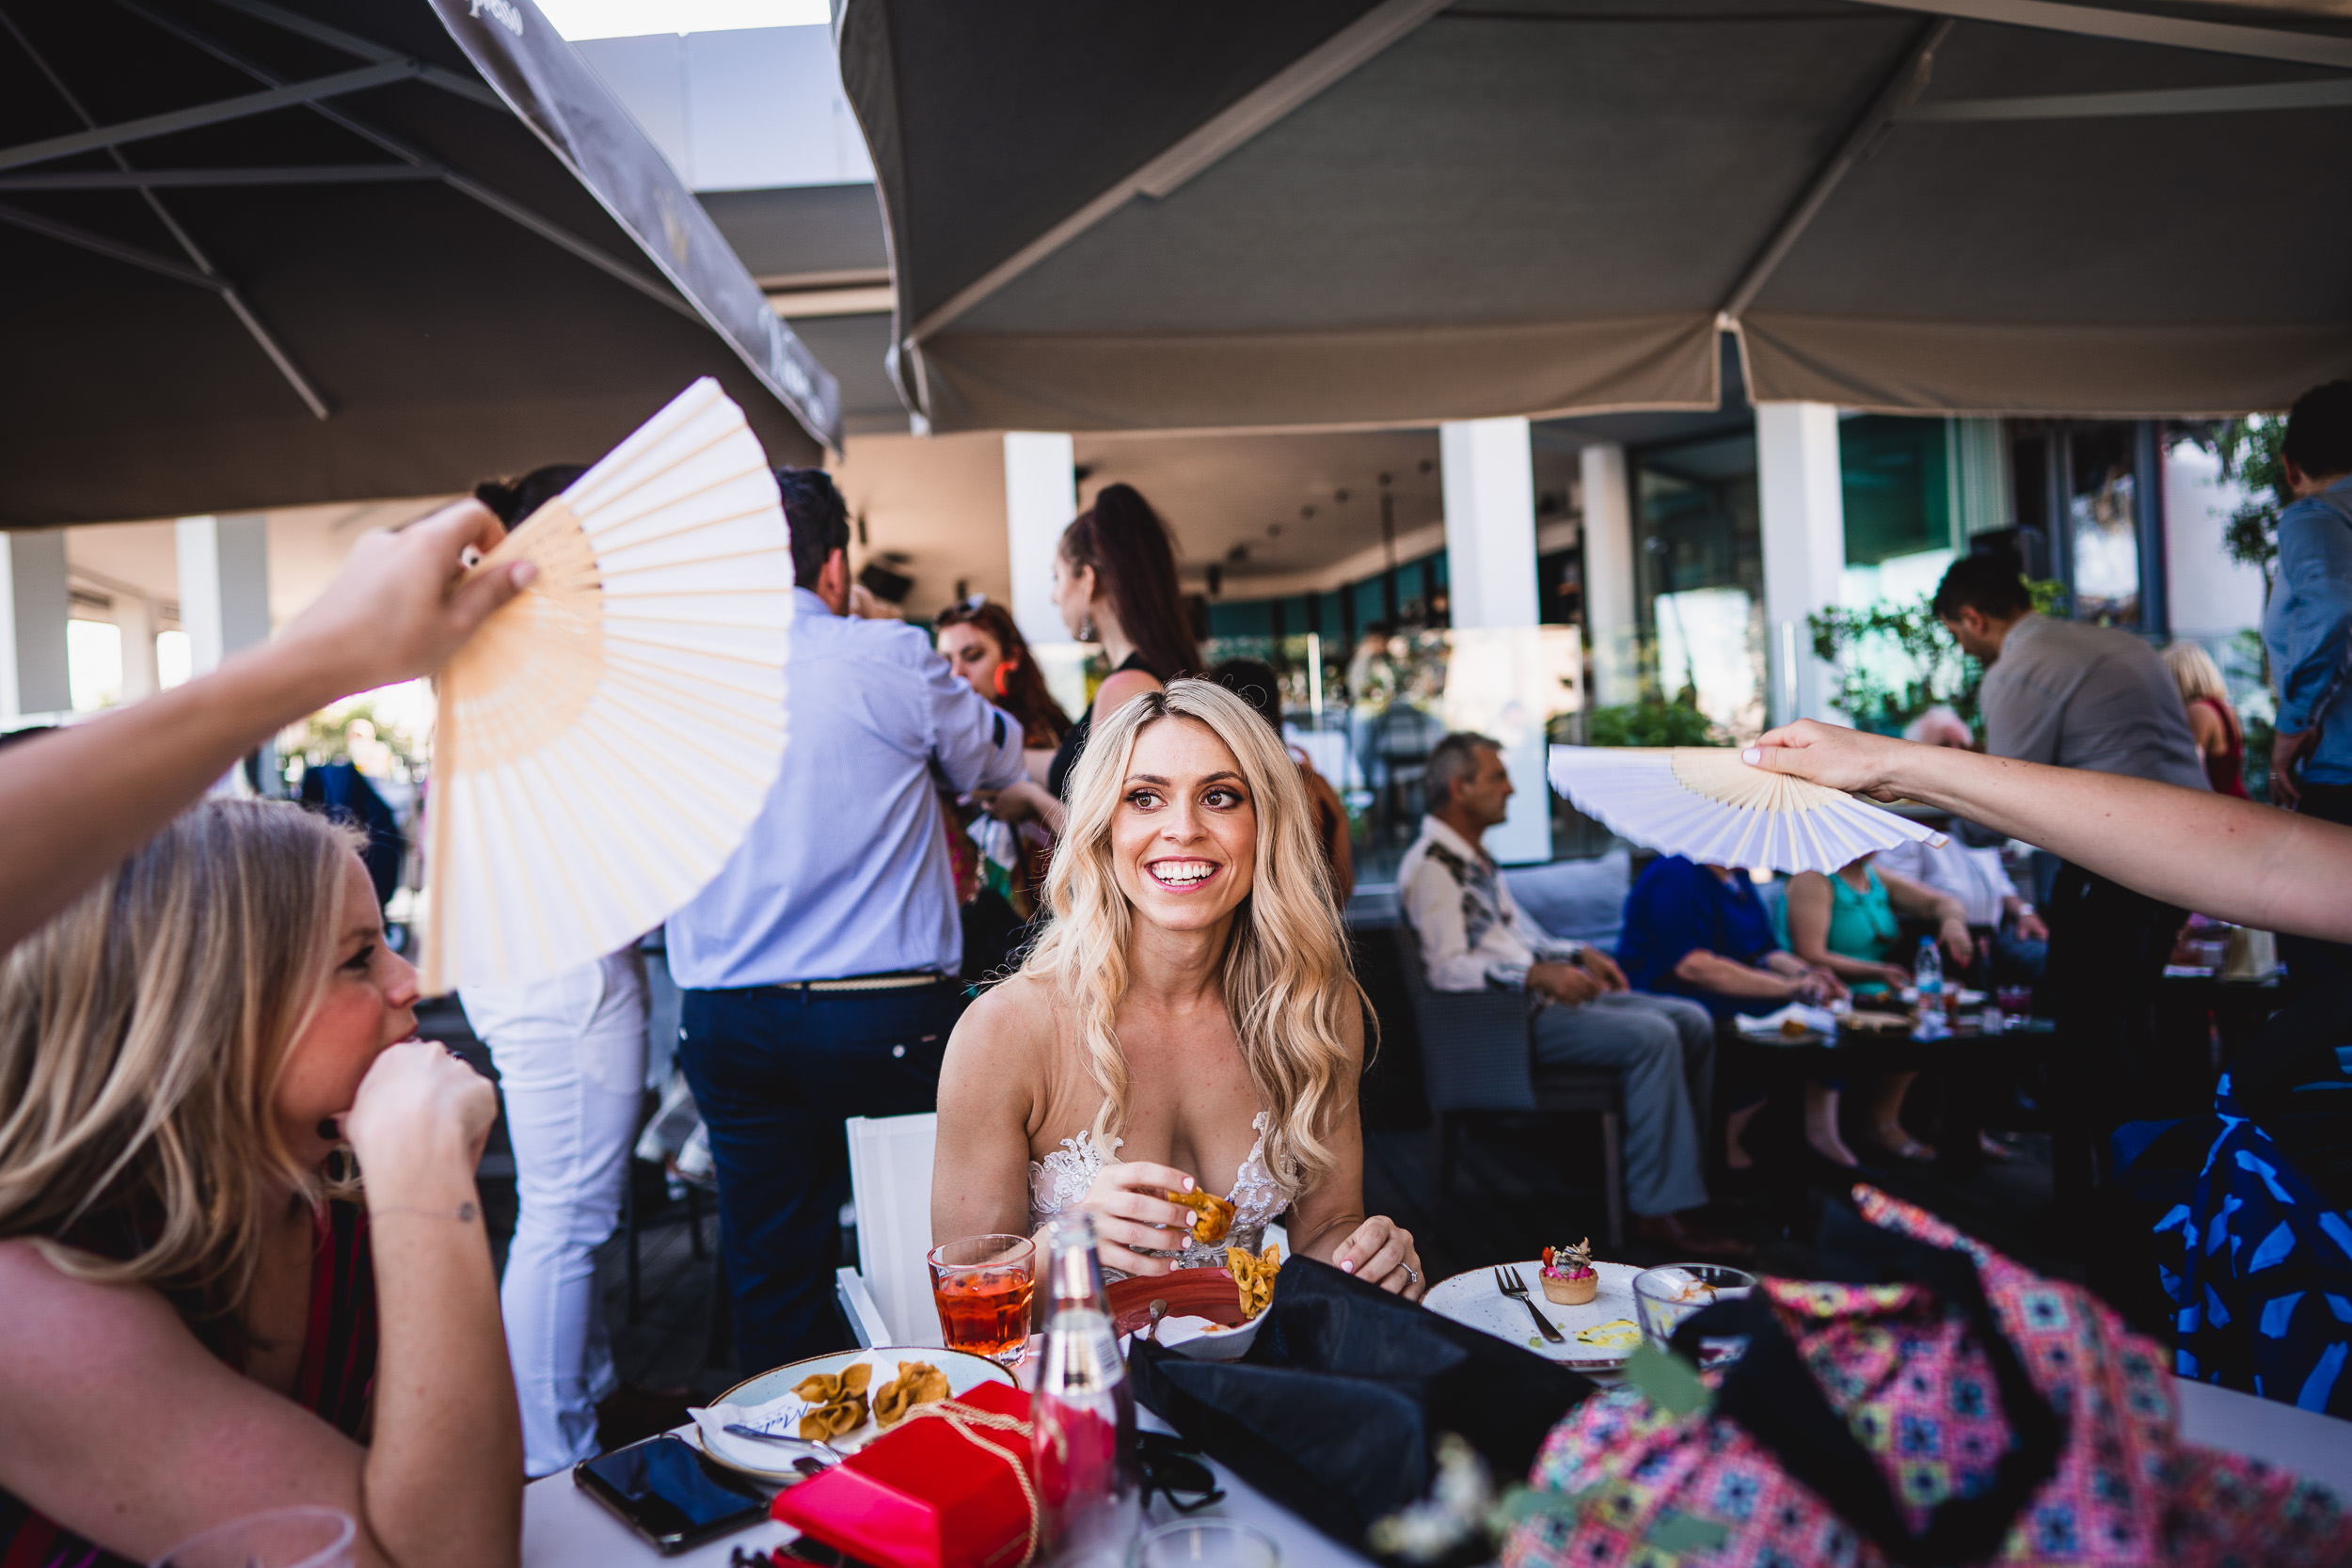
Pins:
x: 668, y: 1493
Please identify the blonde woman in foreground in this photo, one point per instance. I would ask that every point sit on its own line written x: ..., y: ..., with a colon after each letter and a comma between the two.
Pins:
x: 1189, y: 1019
x: 199, y: 1325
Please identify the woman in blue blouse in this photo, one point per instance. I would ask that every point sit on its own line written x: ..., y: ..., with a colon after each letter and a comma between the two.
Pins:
x: 1701, y: 931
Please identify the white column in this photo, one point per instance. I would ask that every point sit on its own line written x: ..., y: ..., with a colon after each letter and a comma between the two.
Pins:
x: 1488, y: 467
x: 224, y: 586
x: 34, y: 600
x: 1610, y: 623
x: 1800, y: 491
x: 1040, y: 498
x: 135, y: 616
x: 1489, y: 474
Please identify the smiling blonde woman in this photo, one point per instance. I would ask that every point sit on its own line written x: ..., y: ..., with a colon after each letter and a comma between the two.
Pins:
x: 1188, y: 1019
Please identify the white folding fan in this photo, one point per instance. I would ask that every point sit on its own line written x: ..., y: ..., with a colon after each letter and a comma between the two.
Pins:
x: 1704, y: 802
x: 605, y: 740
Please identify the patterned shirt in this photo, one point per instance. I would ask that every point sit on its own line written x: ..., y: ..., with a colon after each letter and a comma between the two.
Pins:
x: 1473, y: 935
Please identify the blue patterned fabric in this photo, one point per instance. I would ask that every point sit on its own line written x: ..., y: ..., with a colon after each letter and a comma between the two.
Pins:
x: 2262, y: 1290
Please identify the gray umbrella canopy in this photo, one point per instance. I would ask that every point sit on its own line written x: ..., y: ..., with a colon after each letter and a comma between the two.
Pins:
x: 1334, y: 212
x: 264, y: 254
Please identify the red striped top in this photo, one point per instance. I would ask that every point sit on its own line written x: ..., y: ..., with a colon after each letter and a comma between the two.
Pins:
x: 337, y: 1376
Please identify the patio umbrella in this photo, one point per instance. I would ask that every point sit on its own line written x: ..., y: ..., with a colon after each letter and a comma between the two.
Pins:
x: 263, y: 254
x: 1336, y: 212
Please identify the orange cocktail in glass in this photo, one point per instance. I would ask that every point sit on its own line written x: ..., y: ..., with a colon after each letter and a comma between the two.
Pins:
x: 982, y: 1286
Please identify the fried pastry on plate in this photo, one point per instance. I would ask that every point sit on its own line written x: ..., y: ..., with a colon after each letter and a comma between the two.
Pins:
x: 1254, y: 1276
x: 917, y: 1383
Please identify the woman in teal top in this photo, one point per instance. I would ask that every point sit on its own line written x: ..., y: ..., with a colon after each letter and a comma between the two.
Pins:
x: 1849, y: 924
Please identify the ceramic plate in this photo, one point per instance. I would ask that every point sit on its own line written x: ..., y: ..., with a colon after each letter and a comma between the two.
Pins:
x: 1209, y: 1293
x: 1471, y: 1298
x: 772, y: 1464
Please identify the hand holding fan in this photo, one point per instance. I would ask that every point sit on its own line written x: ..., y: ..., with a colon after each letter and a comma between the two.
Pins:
x: 1705, y: 803
x: 605, y: 740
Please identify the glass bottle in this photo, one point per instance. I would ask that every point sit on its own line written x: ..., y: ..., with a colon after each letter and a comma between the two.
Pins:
x: 1083, y: 1453
x: 1927, y: 974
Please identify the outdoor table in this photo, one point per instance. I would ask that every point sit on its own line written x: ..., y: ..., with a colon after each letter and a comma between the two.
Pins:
x: 1781, y: 1059
x: 563, y: 1528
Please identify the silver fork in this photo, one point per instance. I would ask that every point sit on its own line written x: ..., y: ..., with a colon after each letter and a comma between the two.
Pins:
x: 1509, y: 1283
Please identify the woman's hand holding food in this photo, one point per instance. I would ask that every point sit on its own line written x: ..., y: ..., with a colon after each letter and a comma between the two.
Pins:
x: 1380, y: 1250
x: 1131, y: 1210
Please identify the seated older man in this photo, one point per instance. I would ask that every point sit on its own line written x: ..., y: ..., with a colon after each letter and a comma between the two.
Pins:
x: 1989, y: 900
x: 1473, y: 938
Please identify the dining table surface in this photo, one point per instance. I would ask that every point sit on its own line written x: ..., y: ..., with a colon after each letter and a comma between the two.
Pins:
x: 564, y: 1527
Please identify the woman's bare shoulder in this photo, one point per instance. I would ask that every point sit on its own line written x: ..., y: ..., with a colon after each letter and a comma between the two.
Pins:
x: 63, y: 1329
x: 1008, y: 1031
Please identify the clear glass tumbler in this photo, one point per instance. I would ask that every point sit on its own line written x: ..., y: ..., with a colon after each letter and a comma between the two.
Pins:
x: 1208, y: 1543
x: 282, y: 1538
x: 1664, y: 1296
x: 983, y: 1287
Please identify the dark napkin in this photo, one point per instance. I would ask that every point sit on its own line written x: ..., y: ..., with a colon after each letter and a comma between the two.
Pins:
x: 1334, y: 1410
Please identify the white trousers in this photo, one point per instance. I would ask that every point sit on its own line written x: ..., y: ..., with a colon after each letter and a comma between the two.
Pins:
x: 570, y: 1051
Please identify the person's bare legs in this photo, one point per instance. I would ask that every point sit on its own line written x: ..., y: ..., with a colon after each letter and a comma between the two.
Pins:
x: 1736, y: 1155
x: 1886, y: 1117
x: 1821, y: 1124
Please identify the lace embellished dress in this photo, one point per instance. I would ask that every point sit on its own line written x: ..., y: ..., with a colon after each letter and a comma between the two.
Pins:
x: 1058, y: 1183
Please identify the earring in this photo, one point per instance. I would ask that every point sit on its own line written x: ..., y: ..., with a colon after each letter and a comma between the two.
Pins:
x: 1085, y: 628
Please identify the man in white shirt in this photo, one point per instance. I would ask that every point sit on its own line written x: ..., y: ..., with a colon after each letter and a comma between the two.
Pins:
x: 1989, y: 900
x: 1473, y: 938
x: 820, y: 968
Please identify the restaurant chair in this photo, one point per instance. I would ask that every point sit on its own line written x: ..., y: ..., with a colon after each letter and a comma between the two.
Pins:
x: 888, y: 1297
x: 1478, y: 1062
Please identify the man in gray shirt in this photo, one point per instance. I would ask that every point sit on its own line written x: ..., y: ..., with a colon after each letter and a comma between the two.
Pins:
x: 2096, y: 697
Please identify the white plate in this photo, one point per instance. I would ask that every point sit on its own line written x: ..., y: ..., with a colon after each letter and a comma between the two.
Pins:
x: 769, y: 1462
x: 1471, y: 1298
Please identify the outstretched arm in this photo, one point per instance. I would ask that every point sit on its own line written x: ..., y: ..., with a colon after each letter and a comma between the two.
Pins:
x: 74, y: 803
x: 2227, y: 857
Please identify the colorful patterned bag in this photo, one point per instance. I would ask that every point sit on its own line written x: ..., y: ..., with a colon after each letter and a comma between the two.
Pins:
x: 1940, y: 1404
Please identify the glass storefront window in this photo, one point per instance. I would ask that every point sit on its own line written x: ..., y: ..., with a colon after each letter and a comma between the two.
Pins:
x: 1700, y: 578
x: 1387, y: 702
x: 1899, y: 486
x: 2102, y: 524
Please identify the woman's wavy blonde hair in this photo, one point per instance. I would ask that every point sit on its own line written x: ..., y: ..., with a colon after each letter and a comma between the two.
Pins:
x: 142, y: 1036
x: 1288, y: 980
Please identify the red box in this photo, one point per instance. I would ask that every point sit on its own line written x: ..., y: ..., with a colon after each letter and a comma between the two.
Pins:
x: 923, y: 1497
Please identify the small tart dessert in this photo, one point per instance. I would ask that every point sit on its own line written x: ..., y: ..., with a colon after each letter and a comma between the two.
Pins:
x: 1570, y: 1277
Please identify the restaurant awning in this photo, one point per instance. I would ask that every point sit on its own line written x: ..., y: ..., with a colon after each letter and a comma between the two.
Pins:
x: 1334, y: 213
x: 262, y: 254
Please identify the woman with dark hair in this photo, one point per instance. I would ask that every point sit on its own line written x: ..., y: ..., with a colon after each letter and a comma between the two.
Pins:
x: 570, y: 1050
x: 981, y: 644
x: 997, y: 897
x: 1114, y: 584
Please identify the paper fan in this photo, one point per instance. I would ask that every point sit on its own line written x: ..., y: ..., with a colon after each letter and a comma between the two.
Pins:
x: 605, y: 740
x: 1705, y: 803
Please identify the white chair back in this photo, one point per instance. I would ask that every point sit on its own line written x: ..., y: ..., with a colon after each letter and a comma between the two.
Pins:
x: 890, y: 1180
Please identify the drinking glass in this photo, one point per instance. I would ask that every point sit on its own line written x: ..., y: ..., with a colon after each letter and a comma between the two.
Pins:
x: 982, y: 1286
x: 282, y: 1538
x: 1657, y: 1302
x: 1208, y: 1543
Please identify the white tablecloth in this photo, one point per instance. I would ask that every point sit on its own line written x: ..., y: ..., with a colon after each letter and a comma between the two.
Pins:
x: 563, y: 1528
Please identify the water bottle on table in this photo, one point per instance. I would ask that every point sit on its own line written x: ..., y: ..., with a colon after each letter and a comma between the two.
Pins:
x: 1927, y: 974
